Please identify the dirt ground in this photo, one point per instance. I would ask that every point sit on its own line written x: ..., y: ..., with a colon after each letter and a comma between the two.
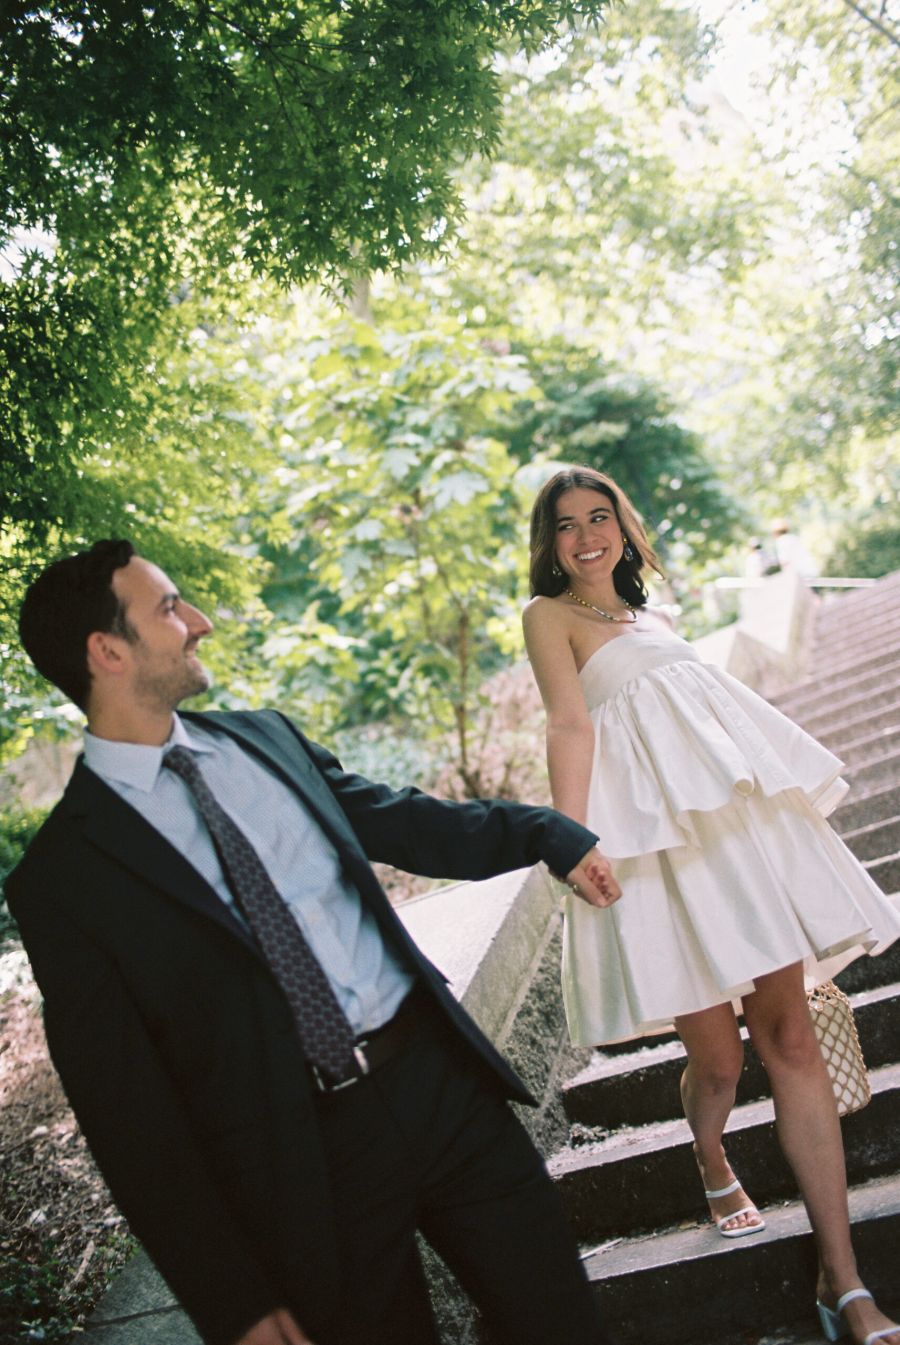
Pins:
x: 61, y: 1237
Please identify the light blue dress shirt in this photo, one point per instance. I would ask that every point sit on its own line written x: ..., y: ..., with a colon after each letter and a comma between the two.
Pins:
x: 302, y: 863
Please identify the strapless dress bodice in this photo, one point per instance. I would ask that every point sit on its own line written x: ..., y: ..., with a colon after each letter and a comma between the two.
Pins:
x: 675, y: 736
x: 630, y: 655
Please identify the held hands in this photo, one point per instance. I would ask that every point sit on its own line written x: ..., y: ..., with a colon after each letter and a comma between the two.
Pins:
x: 592, y: 880
x: 277, y: 1328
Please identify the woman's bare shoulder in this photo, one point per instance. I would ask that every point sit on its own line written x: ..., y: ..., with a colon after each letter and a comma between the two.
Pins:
x: 546, y: 626
x: 541, y: 611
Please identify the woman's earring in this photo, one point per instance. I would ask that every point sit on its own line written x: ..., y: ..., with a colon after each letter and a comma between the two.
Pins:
x: 556, y: 570
x: 628, y: 551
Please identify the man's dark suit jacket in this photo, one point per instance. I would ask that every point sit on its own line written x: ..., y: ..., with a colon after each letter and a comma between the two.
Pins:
x: 176, y: 1045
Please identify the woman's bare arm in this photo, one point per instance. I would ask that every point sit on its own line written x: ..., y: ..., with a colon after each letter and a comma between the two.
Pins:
x: 570, y: 734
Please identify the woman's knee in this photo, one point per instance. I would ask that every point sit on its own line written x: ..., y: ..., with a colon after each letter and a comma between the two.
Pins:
x: 715, y: 1071
x: 787, y: 1042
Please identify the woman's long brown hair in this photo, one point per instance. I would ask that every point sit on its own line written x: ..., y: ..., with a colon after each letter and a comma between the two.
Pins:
x: 627, y: 575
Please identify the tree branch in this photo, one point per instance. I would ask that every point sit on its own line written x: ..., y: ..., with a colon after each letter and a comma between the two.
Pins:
x: 876, y: 23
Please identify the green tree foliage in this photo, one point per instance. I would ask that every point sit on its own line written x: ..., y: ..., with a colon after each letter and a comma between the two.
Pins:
x: 177, y: 473
x: 17, y: 827
x: 867, y: 551
x: 322, y: 132
x: 155, y: 159
x: 628, y: 429
x: 375, y: 475
x: 839, y: 377
x: 150, y: 148
x: 799, y: 383
x: 396, y: 524
x: 397, y: 581
x: 614, y: 203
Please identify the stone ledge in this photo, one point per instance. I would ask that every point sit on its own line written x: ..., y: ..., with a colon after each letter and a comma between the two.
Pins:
x: 139, y: 1309
x: 484, y: 937
x: 766, y: 647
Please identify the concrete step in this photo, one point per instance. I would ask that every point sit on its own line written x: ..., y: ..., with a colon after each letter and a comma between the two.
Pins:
x: 835, y: 639
x: 861, y: 608
x: 832, y: 724
x: 853, y: 650
x: 874, y: 776
x: 832, y: 630
x: 688, y: 1286
x: 864, y: 809
x: 641, y: 1088
x: 829, y: 636
x: 833, y: 677
x: 829, y: 708
x: 833, y: 597
x: 838, y: 607
x: 638, y: 1178
x: 837, y: 667
x: 861, y: 726
x: 885, y: 872
x: 872, y: 973
x: 875, y: 840
x: 859, y: 751
x: 827, y: 663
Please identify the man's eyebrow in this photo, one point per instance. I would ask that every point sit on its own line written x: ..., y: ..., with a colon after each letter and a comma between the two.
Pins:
x: 169, y: 597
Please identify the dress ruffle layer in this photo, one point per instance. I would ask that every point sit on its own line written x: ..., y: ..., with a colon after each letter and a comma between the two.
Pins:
x: 685, y: 738
x: 711, y: 804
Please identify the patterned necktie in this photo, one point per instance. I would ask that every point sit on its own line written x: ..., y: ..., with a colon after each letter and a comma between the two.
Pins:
x: 324, y: 1032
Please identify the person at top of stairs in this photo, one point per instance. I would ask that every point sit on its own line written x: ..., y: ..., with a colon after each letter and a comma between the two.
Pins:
x: 711, y: 805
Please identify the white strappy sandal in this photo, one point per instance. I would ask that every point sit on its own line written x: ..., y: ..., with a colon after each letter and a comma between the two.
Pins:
x: 834, y: 1329
x: 746, y: 1229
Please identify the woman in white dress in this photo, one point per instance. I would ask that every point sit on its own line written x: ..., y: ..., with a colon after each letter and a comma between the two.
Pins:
x: 710, y: 805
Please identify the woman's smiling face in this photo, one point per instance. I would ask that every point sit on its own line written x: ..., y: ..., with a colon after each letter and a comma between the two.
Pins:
x: 588, y: 535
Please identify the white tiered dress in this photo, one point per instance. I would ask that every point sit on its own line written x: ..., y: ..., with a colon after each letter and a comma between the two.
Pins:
x: 711, y: 806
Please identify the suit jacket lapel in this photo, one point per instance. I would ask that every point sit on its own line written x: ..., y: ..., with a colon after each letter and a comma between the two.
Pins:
x: 289, y: 761
x: 269, y: 740
x: 113, y: 826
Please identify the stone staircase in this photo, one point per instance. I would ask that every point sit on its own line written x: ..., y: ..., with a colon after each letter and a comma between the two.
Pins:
x: 627, y: 1173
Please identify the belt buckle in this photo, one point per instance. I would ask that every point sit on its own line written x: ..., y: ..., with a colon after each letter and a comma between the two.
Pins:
x: 323, y: 1085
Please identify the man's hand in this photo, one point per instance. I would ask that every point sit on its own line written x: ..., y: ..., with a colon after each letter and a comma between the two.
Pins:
x: 278, y: 1328
x: 592, y: 880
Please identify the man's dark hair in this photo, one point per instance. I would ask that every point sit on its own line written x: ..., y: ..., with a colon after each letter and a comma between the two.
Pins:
x: 70, y: 600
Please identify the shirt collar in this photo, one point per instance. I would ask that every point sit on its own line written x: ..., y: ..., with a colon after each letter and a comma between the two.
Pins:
x: 135, y: 764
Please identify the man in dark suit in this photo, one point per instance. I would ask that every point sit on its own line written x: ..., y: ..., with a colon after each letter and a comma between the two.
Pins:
x: 275, y: 1082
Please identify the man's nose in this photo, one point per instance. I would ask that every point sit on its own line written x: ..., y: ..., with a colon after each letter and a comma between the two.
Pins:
x: 199, y: 624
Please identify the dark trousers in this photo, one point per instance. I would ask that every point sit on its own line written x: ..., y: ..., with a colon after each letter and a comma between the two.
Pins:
x: 427, y: 1143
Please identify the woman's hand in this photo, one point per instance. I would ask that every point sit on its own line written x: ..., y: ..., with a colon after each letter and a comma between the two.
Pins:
x: 592, y: 880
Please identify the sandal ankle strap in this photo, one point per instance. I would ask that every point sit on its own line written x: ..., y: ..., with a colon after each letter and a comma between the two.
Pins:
x: 725, y: 1191
x: 849, y: 1296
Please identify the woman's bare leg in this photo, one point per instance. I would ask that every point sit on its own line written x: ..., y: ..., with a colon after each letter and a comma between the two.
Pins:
x: 715, y: 1059
x: 809, y: 1131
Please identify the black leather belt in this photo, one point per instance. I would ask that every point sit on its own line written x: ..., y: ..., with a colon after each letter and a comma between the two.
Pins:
x: 374, y: 1049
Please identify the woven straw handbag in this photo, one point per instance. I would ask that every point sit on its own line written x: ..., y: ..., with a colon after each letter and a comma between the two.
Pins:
x: 833, y: 1023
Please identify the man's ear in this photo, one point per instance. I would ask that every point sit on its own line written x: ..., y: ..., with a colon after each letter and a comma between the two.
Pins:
x: 105, y: 653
